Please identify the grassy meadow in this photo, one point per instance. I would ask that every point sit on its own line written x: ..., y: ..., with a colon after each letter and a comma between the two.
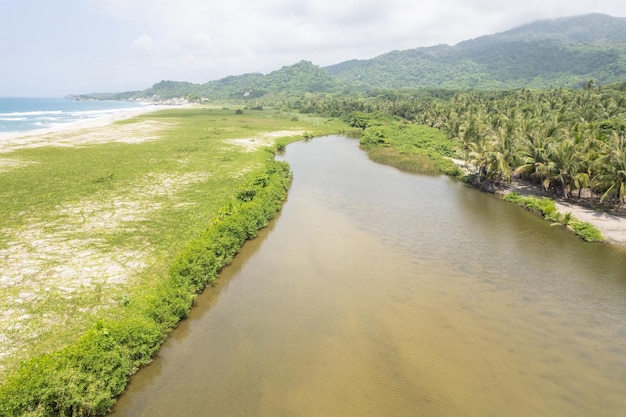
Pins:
x: 93, y: 218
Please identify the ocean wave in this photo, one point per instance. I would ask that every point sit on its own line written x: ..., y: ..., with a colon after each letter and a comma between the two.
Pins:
x: 96, y: 113
x: 26, y: 114
x: 31, y: 113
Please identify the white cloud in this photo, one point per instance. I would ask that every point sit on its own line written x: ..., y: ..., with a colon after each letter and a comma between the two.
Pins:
x: 144, y: 43
x: 198, y: 41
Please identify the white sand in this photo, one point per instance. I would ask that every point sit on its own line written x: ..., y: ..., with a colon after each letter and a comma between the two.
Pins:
x: 66, y: 135
x: 611, y: 225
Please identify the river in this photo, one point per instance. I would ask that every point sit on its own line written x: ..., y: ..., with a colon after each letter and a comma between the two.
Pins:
x: 380, y: 293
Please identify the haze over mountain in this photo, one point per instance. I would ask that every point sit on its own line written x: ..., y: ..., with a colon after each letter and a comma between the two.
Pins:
x: 554, y: 53
x: 565, y: 52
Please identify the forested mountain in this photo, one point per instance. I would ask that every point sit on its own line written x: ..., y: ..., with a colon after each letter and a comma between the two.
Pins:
x: 303, y: 77
x: 565, y: 52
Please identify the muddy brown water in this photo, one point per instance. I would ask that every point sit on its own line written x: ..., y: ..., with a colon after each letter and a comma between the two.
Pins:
x: 381, y: 293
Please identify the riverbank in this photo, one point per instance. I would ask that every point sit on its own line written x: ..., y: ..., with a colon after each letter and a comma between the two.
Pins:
x: 94, y: 217
x: 382, y: 293
x: 426, y: 150
x: 611, y: 225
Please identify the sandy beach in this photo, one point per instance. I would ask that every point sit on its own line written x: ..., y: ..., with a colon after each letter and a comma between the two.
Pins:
x: 67, y: 134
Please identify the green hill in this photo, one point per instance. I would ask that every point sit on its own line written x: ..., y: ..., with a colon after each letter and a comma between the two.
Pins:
x: 303, y: 77
x: 563, y: 52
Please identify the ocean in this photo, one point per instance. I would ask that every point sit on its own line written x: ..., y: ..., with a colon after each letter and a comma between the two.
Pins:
x: 22, y: 114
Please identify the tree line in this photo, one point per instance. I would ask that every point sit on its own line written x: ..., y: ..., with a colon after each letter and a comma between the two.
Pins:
x: 565, y: 140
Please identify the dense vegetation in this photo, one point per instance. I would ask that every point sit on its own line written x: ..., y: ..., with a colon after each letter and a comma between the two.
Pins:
x: 303, y: 77
x: 408, y: 146
x: 559, y: 53
x: 567, y: 141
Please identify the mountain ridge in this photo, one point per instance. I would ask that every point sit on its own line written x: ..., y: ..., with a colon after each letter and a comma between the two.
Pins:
x: 564, y: 52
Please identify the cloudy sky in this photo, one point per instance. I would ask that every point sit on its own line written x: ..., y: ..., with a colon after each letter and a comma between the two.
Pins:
x: 50, y: 48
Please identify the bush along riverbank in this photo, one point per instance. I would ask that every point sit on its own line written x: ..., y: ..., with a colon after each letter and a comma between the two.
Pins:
x: 406, y: 146
x: 546, y: 207
x: 426, y: 150
x: 85, y: 378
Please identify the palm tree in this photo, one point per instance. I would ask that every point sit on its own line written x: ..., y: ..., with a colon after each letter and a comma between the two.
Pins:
x: 611, y: 177
x: 477, y: 156
x: 586, y: 138
x: 532, y: 154
x: 500, y: 154
x: 562, y: 165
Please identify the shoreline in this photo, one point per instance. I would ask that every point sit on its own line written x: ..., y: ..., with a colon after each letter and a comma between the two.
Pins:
x: 69, y: 134
x: 612, y: 226
x: 116, y: 115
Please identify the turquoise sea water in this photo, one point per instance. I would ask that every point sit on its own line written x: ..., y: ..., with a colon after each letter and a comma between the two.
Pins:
x: 22, y: 114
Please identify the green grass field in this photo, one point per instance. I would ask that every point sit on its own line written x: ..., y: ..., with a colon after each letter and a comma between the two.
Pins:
x: 91, y: 218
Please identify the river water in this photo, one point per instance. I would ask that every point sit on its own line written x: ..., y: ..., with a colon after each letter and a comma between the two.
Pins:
x: 381, y: 293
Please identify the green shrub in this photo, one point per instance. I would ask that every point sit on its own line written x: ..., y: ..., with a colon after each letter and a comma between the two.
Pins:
x: 513, y: 197
x: 547, y: 208
x: 280, y: 146
x: 408, y: 146
x: 85, y: 378
x: 541, y: 205
x: 587, y: 231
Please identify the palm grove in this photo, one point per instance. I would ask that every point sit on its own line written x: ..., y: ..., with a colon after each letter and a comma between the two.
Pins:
x: 566, y: 140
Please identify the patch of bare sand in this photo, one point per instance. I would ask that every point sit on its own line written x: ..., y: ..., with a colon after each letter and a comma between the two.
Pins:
x: 8, y: 164
x: 68, y: 256
x: 129, y: 133
x: 611, y: 225
x: 264, y: 139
